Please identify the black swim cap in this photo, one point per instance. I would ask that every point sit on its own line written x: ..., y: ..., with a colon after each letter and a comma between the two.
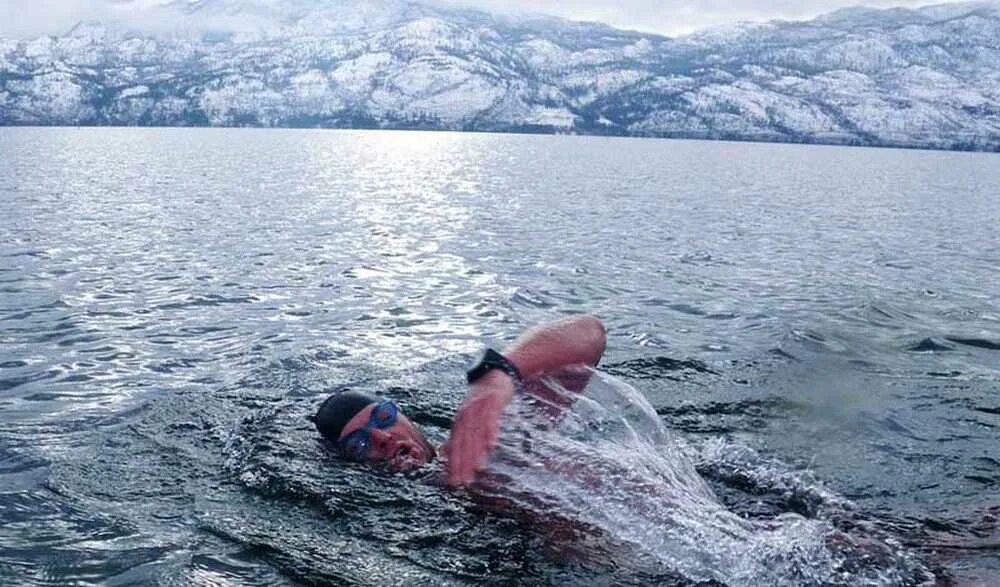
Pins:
x: 337, y: 411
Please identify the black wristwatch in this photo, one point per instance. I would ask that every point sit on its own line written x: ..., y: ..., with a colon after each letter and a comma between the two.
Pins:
x: 489, y: 361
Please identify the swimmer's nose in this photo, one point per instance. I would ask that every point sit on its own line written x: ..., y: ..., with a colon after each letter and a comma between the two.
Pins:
x: 382, y: 441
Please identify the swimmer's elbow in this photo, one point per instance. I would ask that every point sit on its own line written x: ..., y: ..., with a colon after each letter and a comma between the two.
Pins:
x: 597, y: 329
x: 595, y: 333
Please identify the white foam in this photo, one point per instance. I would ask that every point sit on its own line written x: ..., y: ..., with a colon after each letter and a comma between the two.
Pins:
x: 609, y: 463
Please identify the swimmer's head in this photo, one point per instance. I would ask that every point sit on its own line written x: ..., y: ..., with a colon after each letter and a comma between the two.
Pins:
x: 364, y: 428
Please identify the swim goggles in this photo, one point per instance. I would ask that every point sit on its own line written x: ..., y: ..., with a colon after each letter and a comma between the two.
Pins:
x: 355, y: 446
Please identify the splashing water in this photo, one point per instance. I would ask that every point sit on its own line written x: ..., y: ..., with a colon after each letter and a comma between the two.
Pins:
x: 607, y: 462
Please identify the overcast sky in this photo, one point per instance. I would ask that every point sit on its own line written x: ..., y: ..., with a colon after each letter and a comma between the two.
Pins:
x: 29, y: 18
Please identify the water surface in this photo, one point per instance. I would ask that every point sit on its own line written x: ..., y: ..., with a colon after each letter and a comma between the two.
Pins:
x: 813, y: 320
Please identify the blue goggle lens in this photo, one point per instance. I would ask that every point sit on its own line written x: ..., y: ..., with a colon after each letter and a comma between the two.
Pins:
x: 355, y: 446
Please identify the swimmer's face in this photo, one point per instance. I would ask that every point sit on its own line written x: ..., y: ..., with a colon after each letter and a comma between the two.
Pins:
x: 401, y: 446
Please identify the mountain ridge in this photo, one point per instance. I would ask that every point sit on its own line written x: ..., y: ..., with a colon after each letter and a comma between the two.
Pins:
x: 926, y: 77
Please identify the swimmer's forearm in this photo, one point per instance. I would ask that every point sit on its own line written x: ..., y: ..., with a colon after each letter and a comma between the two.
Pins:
x: 550, y: 347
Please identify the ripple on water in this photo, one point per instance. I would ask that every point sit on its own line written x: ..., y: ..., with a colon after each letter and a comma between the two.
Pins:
x: 980, y: 343
x: 929, y: 345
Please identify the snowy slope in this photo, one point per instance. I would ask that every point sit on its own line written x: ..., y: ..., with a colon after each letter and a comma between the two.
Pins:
x: 928, y: 77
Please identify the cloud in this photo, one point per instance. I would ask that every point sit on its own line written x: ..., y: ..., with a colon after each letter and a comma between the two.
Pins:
x: 28, y: 18
x: 675, y: 17
x: 31, y: 18
x: 21, y: 19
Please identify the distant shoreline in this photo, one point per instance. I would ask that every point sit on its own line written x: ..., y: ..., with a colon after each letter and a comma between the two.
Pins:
x: 721, y: 137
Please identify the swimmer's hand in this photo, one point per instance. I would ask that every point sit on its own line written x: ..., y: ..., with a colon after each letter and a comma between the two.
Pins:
x: 476, y: 428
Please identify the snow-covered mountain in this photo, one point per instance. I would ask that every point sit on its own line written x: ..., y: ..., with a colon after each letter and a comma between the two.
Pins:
x: 928, y: 77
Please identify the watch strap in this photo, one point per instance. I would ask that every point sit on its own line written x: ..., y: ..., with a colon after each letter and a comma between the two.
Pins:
x: 489, y: 361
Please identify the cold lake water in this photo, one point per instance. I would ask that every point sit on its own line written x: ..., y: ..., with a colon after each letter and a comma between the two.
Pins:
x: 816, y: 331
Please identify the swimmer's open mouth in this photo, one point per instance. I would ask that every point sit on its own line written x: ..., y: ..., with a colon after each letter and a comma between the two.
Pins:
x: 405, y: 458
x: 409, y: 457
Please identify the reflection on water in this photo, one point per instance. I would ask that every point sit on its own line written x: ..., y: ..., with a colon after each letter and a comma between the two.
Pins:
x: 172, y: 301
x: 421, y: 204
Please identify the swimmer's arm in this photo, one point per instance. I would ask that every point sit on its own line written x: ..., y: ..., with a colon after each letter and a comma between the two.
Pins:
x: 549, y: 348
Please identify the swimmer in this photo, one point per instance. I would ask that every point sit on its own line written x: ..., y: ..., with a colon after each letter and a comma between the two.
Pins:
x: 367, y: 429
x: 643, y: 509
